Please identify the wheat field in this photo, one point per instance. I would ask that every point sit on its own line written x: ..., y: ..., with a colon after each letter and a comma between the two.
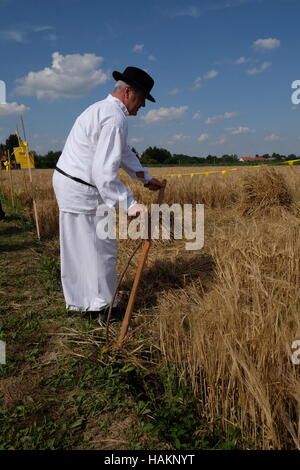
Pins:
x: 226, y: 315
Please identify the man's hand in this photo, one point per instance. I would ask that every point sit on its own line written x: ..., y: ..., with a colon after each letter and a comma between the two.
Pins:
x: 154, y: 185
x: 136, y: 210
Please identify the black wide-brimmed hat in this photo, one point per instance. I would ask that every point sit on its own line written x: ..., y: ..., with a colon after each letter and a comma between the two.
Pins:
x: 138, y: 78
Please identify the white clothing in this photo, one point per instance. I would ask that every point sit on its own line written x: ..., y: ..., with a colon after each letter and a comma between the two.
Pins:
x: 94, y: 151
x: 75, y: 197
x: 88, y: 264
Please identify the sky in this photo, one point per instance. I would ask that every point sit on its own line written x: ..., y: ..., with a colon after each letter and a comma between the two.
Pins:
x: 223, y: 71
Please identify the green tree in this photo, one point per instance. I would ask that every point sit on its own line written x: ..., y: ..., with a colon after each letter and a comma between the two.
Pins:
x: 228, y: 158
x: 11, y: 142
x: 159, y: 155
x: 47, y: 161
x: 211, y: 159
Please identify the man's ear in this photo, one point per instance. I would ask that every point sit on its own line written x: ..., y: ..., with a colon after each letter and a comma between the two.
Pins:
x: 126, y: 90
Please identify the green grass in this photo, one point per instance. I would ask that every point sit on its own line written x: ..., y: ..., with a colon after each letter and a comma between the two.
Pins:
x: 55, y: 399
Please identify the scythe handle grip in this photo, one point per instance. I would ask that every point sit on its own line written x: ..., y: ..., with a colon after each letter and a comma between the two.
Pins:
x: 138, y: 276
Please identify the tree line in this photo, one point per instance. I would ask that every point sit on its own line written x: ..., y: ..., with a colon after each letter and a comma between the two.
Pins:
x: 154, y: 156
x: 150, y: 156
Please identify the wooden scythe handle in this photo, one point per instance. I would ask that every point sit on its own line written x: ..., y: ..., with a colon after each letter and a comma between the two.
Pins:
x: 138, y: 276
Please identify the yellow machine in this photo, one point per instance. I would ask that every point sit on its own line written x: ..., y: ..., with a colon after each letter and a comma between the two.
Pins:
x: 20, y: 154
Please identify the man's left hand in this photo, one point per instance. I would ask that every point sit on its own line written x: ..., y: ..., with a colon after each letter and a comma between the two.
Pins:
x: 154, y: 185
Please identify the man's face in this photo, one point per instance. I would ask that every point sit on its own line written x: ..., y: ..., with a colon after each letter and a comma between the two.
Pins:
x: 135, y: 99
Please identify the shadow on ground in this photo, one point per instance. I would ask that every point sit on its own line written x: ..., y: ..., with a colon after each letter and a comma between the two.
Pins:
x: 11, y: 230
x: 16, y: 247
x: 165, y: 275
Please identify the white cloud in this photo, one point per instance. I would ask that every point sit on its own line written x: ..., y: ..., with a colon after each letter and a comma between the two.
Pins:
x: 174, y: 91
x: 138, y: 48
x: 11, y: 109
x: 241, y: 60
x: 240, y: 130
x: 152, y: 57
x: 203, y: 137
x: 51, y: 37
x: 22, y: 35
x: 221, y: 141
x: 135, y: 140
x: 255, y: 71
x: 210, y: 74
x: 176, y: 138
x: 38, y: 29
x: 164, y: 114
x: 186, y: 11
x: 139, y: 125
x: 179, y: 137
x: 70, y: 76
x: 197, y: 115
x: 13, y: 35
x: 198, y: 83
x: 197, y: 11
x: 266, y: 65
x: 266, y: 44
x: 219, y: 117
x: 273, y: 138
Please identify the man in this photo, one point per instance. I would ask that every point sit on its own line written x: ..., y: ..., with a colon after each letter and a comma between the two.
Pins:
x: 86, y: 176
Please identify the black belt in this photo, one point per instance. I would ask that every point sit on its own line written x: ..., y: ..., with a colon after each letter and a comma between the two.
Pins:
x: 74, y: 178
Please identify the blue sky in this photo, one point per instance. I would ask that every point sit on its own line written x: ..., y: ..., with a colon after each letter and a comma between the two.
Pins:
x: 223, y: 70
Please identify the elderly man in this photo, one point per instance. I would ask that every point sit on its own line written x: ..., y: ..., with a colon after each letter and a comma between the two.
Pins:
x: 86, y: 176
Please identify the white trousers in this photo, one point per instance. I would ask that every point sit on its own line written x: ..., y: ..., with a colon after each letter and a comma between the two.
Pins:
x: 88, y: 264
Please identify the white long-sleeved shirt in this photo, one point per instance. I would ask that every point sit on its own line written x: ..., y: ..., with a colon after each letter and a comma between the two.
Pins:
x: 95, y: 150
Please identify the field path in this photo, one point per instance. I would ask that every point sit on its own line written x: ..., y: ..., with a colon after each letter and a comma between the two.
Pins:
x: 49, y: 397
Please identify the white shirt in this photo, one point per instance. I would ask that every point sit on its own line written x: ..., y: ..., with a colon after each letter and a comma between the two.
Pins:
x: 94, y: 151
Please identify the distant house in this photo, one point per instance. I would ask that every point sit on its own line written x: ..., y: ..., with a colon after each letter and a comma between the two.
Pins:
x: 251, y: 159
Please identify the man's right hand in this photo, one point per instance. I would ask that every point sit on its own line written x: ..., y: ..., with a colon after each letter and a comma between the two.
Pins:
x: 154, y: 184
x: 136, y: 210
